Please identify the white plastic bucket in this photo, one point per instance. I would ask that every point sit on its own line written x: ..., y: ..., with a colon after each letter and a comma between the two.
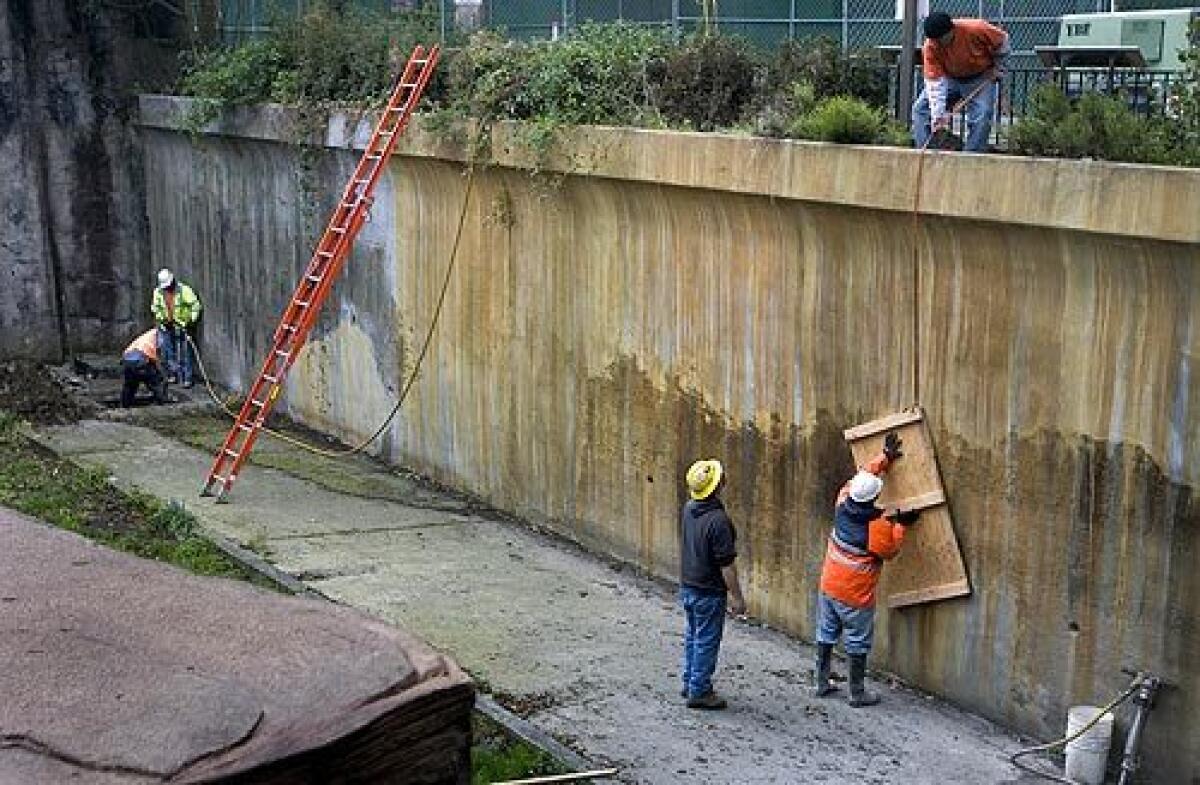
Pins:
x: 1087, y: 756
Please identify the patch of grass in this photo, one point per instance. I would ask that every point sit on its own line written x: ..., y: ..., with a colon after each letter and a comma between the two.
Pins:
x: 37, y: 482
x: 497, y: 756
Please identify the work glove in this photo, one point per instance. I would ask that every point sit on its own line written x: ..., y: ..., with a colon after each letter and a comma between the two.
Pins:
x: 891, y: 446
x: 905, y: 517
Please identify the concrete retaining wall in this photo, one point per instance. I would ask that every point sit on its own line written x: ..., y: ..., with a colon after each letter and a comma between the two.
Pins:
x: 681, y: 295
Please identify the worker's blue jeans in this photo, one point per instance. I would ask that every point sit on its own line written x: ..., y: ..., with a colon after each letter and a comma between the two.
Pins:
x: 980, y: 111
x: 705, y: 623
x: 176, y: 354
x: 855, y: 626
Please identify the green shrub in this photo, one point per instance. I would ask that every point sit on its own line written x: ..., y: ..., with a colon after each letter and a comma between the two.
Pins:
x: 1092, y: 126
x: 800, y: 114
x: 319, y: 57
x: 598, y: 75
x: 1182, y: 133
x: 821, y: 63
x: 707, y: 82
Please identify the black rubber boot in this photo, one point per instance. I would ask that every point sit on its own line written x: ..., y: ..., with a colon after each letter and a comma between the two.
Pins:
x: 858, y: 676
x: 824, y: 686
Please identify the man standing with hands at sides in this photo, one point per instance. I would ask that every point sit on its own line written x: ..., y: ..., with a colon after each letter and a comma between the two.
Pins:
x: 707, y: 577
x: 863, y: 537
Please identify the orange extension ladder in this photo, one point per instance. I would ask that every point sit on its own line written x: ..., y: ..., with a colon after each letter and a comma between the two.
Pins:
x: 327, y: 261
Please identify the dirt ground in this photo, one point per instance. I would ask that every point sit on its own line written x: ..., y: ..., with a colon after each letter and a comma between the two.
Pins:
x: 33, y: 393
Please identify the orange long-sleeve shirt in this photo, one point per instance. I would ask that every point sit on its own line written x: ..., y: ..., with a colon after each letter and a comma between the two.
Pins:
x: 972, y: 50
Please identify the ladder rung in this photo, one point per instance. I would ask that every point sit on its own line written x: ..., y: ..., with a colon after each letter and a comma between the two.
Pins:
x: 291, y: 328
x: 374, y: 156
x: 325, y: 253
x: 313, y: 278
x: 282, y: 352
x: 271, y: 379
x: 301, y: 303
x: 258, y: 403
x: 231, y: 453
x: 244, y: 427
x: 338, y: 230
x: 220, y: 479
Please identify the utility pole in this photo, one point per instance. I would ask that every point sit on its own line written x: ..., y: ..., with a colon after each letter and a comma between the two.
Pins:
x: 908, y: 35
x: 675, y: 19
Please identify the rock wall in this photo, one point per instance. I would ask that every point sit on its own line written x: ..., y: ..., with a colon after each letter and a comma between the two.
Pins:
x: 679, y: 296
x: 73, y: 263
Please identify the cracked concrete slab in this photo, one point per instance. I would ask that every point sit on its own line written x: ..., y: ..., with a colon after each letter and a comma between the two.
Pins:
x: 588, y: 650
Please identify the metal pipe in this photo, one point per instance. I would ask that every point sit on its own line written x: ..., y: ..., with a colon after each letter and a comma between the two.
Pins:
x: 904, y: 90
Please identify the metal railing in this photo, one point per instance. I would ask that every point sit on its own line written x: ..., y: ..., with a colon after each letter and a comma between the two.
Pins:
x: 1146, y: 93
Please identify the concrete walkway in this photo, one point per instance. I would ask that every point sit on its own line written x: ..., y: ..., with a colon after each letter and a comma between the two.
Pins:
x: 586, y: 649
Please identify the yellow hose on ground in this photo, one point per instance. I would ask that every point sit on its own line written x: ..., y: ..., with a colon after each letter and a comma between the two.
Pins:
x: 1015, y: 758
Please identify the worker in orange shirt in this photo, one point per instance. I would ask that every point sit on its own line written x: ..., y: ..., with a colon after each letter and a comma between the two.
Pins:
x: 139, y: 365
x: 863, y: 537
x: 959, y: 56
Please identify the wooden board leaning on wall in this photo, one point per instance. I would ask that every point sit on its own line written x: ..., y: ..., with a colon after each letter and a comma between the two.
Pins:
x: 930, y: 566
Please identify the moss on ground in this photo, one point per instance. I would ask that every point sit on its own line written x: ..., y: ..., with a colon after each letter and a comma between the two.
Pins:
x: 37, y: 482
x: 497, y: 756
x: 353, y: 475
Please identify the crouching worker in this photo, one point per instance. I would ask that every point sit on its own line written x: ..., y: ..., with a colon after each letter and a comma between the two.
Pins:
x: 139, y: 365
x: 862, y: 539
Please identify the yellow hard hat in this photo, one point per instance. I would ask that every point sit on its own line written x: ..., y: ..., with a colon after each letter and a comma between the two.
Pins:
x: 703, y: 477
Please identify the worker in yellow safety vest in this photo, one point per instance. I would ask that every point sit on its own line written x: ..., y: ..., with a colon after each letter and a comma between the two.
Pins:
x: 176, y: 309
x: 139, y: 365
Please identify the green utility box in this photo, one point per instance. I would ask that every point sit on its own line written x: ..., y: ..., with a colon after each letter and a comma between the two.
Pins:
x: 1158, y: 35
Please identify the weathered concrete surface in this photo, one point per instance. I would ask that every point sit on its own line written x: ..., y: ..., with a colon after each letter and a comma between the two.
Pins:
x: 74, y: 267
x: 120, y: 665
x: 749, y: 299
x: 589, y: 648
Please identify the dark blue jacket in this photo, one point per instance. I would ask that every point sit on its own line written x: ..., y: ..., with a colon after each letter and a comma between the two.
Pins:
x: 707, y: 543
x: 851, y: 525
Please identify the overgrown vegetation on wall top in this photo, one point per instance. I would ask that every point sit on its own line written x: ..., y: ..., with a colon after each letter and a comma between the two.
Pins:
x: 622, y: 74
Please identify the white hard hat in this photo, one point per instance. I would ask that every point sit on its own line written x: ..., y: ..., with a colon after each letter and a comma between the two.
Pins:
x: 165, y: 278
x: 865, y: 487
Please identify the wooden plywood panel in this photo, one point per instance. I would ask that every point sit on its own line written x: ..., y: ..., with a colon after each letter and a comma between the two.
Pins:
x: 930, y: 566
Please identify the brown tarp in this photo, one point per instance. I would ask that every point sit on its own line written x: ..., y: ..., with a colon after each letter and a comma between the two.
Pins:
x: 119, y: 669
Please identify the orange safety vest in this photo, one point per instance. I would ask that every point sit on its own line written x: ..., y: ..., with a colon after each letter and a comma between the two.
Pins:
x: 851, y: 578
x: 146, y: 343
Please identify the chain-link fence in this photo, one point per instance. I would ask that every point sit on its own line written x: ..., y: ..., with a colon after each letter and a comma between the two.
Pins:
x: 241, y: 20
x: 855, y: 24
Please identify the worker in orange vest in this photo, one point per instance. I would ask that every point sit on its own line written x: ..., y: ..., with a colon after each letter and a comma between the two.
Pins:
x: 961, y: 58
x: 139, y: 365
x: 863, y: 537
